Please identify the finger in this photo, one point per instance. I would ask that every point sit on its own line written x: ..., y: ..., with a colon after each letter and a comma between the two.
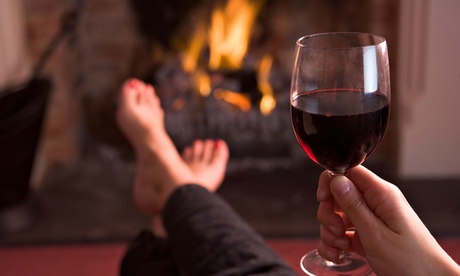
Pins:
x: 352, y: 203
x: 374, y: 188
x: 329, y: 253
x: 363, y: 178
x: 324, y: 193
x: 330, y: 219
x: 383, y: 198
x: 346, y: 221
x: 330, y: 239
x: 355, y: 243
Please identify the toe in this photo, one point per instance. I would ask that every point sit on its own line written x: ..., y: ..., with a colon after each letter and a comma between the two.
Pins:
x: 221, y: 152
x: 208, y: 151
x: 143, y: 92
x: 128, y: 91
x: 187, y: 154
x: 198, y: 148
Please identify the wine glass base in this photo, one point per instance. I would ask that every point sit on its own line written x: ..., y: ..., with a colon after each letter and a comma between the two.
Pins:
x: 353, y: 264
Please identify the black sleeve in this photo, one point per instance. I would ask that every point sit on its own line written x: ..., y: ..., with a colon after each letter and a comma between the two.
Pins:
x: 207, y: 237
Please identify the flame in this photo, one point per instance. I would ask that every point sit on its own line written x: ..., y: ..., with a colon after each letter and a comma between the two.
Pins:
x: 192, y: 52
x: 228, y: 38
x: 242, y: 101
x: 268, y: 102
x: 230, y: 33
x: 202, y: 82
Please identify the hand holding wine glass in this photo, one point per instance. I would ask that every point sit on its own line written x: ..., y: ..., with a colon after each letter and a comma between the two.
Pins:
x: 340, y: 105
x: 392, y: 236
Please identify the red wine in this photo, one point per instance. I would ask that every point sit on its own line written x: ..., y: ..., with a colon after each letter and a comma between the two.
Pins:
x: 339, y: 128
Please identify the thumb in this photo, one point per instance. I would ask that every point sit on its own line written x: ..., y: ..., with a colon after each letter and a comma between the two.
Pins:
x: 352, y: 203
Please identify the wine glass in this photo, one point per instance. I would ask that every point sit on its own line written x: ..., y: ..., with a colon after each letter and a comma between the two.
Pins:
x: 340, y: 105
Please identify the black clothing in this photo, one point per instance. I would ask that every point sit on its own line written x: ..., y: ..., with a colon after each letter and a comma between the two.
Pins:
x: 205, y: 237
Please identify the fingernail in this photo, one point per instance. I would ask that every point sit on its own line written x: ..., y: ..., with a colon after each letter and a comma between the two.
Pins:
x: 341, y: 185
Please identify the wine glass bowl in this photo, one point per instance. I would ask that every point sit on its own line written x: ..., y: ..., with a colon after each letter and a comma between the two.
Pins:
x: 340, y: 106
x: 339, y: 128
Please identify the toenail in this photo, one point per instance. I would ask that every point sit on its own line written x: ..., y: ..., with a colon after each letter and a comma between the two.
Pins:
x: 133, y: 83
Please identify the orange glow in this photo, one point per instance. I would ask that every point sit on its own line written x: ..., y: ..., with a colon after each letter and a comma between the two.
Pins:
x: 242, y: 101
x: 230, y: 33
x: 202, y: 83
x: 228, y: 37
x: 178, y: 104
x: 192, y: 52
x: 267, y: 103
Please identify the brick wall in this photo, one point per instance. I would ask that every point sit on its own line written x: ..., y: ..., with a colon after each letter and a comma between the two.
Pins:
x: 86, y: 70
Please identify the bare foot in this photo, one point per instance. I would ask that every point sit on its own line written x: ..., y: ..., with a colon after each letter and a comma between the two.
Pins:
x: 160, y: 168
x: 140, y: 115
x: 208, y: 161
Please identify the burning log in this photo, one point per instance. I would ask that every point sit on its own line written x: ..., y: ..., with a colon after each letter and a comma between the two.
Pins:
x: 215, y: 88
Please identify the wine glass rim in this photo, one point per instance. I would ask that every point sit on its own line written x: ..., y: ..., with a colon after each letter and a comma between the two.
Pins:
x: 378, y: 39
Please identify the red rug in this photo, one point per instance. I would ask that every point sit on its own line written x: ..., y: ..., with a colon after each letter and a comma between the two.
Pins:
x: 103, y: 259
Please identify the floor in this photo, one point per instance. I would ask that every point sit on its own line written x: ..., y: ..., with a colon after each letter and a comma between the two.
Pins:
x: 103, y: 259
x: 88, y: 208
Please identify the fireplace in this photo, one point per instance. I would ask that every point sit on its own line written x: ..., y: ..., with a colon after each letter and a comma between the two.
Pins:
x: 221, y: 80
x: 222, y: 68
x: 118, y: 39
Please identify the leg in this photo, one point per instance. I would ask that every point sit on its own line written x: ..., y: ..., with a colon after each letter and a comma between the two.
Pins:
x: 160, y: 168
x: 206, y: 236
x: 140, y: 117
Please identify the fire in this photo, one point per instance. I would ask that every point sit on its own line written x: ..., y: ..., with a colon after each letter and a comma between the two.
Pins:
x: 202, y: 82
x: 228, y: 37
x: 230, y: 33
x: 267, y: 103
x: 242, y: 101
x: 193, y: 51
